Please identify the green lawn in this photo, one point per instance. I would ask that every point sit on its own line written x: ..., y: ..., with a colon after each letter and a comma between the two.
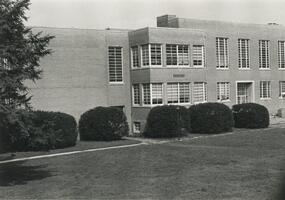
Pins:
x: 247, y: 165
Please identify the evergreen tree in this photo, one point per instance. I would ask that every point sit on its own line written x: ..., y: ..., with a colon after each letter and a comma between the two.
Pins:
x: 20, y: 53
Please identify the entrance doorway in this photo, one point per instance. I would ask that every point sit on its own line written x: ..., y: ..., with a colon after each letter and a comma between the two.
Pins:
x: 245, y: 92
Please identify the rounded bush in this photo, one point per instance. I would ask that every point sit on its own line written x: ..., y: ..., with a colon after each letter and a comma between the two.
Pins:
x: 166, y: 121
x: 38, y: 130
x: 250, y: 115
x: 103, y: 124
x: 210, y: 118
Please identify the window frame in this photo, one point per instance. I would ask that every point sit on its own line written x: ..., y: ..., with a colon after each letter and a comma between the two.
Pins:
x: 267, y: 94
x: 267, y: 54
x: 135, y: 128
x: 178, y: 55
x: 205, y: 95
x: 281, y: 93
x: 203, y: 56
x: 150, y: 85
x: 281, y: 54
x: 139, y: 95
x: 226, y: 90
x: 122, y: 65
x: 178, y: 92
x: 243, y: 51
x: 224, y: 56
x: 132, y: 58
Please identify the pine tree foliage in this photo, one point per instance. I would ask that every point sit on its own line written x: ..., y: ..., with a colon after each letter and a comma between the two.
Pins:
x: 20, y: 54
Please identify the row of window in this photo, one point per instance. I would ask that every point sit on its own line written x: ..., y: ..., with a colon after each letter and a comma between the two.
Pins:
x: 180, y: 93
x: 178, y: 55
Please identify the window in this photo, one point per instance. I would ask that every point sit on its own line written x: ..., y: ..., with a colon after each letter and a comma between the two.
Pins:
x: 263, y: 54
x: 146, y: 94
x: 222, y: 53
x: 4, y: 64
x: 137, y: 127
x: 178, y: 93
x: 171, y: 54
x: 281, y: 54
x: 223, y: 91
x: 200, y: 92
x: 177, y: 55
x: 198, y: 56
x: 151, y: 54
x: 282, y: 89
x: 156, y: 93
x: 155, y: 50
x: 152, y: 94
x: 136, y: 94
x: 145, y: 55
x: 115, y: 65
x: 135, y: 57
x: 265, y: 90
x: 243, y: 53
x: 183, y: 55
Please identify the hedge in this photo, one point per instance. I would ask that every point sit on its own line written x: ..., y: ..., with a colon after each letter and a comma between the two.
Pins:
x: 166, y: 121
x: 210, y: 118
x: 24, y: 130
x: 250, y: 115
x: 103, y: 124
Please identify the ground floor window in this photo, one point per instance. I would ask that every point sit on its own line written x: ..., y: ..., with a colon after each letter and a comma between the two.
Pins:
x: 152, y: 94
x: 137, y: 127
x: 200, y: 92
x: 223, y: 91
x: 265, y: 89
x: 136, y: 94
x: 282, y: 89
x: 178, y: 93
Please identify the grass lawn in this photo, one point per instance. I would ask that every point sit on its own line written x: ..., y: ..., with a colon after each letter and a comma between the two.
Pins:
x: 248, y: 165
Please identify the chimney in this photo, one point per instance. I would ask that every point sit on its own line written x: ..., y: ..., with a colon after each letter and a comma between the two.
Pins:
x: 162, y: 21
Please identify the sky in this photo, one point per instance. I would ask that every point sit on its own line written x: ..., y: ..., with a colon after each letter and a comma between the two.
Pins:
x: 132, y: 14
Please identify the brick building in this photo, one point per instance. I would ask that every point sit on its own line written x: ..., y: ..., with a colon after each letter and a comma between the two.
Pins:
x: 181, y: 61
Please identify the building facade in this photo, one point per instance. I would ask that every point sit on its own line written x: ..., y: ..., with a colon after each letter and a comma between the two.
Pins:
x: 179, y: 62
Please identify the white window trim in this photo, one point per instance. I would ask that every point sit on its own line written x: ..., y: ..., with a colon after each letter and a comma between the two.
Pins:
x: 203, y: 57
x: 252, y: 90
x: 133, y: 95
x: 132, y: 64
x: 247, y: 54
x: 269, y: 91
x: 149, y: 57
x: 150, y: 89
x: 179, y: 66
x: 219, y: 92
x: 267, y: 54
x: 178, y: 83
x: 134, y: 127
x: 225, y: 57
x: 280, y: 91
x: 116, y: 82
x: 205, y: 91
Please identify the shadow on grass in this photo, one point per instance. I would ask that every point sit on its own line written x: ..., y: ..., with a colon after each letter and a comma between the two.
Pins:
x: 19, y: 174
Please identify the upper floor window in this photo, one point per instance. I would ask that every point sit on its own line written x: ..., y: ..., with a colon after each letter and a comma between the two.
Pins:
x: 198, y: 56
x: 223, y: 91
x: 177, y: 55
x: 145, y: 54
x: 282, y: 89
x: 200, y: 92
x: 136, y: 94
x: 115, y: 64
x: 151, y: 55
x: 281, y: 54
x: 265, y: 89
x: 178, y: 93
x: 222, y: 53
x: 243, y: 53
x: 135, y: 57
x: 263, y: 54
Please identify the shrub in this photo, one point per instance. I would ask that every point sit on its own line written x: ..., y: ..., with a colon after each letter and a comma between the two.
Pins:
x: 250, y: 115
x: 210, y: 118
x: 166, y: 121
x: 25, y: 130
x: 103, y: 124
